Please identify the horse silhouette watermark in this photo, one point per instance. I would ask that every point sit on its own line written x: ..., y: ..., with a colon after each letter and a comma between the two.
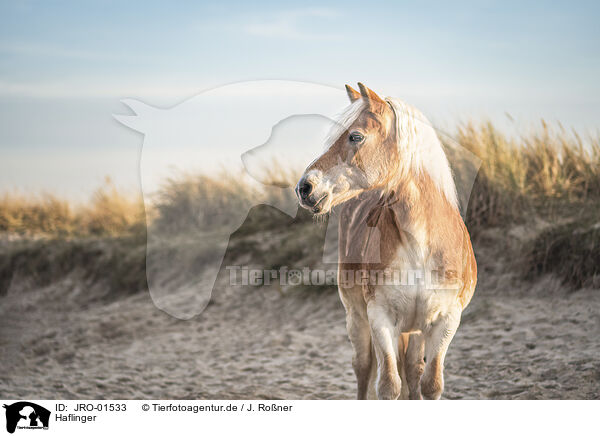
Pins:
x: 244, y: 130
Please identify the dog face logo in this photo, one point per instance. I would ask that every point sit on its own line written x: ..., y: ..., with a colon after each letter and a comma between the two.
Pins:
x: 26, y: 415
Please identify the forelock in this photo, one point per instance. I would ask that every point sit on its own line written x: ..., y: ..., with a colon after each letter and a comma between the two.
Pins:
x: 343, y: 121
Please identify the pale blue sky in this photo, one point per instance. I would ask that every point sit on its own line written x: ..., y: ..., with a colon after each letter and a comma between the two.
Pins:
x: 65, y: 65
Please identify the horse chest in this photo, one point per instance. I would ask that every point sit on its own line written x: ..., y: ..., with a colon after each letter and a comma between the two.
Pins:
x: 403, y: 247
x: 412, y: 307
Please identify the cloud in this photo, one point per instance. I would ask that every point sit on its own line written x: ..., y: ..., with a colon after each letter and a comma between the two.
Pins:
x: 54, y: 51
x: 97, y: 87
x: 158, y: 87
x: 296, y: 24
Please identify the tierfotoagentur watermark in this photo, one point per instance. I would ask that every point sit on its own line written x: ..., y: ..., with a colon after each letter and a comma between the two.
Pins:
x: 285, y: 276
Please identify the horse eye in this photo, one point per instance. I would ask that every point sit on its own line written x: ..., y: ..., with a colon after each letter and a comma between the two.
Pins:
x: 356, y: 137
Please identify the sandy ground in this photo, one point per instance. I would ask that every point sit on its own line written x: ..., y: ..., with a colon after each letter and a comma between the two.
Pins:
x: 59, y: 342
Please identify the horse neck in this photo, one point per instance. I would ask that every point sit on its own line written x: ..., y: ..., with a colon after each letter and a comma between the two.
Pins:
x: 416, y: 198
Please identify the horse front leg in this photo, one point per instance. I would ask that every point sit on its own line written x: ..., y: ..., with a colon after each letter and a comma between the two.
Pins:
x: 437, y: 339
x: 362, y: 357
x: 415, y: 364
x: 385, y: 344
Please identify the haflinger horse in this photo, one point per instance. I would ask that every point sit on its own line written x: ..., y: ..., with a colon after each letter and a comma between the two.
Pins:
x: 386, y: 168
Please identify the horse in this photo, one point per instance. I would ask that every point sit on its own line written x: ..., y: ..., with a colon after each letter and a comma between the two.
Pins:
x: 406, y: 267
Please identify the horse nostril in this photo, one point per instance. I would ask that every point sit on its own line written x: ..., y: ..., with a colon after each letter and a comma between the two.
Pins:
x: 304, y: 189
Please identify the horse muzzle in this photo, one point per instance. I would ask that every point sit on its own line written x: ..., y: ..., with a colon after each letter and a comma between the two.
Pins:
x: 305, y: 191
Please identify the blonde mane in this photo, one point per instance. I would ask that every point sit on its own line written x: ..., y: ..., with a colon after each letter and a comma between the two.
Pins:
x: 419, y: 144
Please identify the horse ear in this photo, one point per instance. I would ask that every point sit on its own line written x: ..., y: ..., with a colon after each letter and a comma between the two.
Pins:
x: 353, y: 94
x: 368, y: 94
